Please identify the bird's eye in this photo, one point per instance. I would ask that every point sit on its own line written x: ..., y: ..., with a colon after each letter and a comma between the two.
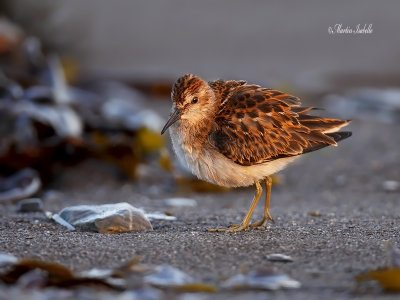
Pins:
x: 195, y: 100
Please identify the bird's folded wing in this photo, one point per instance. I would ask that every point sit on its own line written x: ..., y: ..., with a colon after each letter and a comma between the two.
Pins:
x: 256, y: 125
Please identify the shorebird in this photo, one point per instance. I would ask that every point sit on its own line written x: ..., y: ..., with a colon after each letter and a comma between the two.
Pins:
x: 235, y: 134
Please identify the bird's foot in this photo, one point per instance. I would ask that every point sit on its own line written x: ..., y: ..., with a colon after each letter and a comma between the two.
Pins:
x: 232, y: 229
x: 262, y: 224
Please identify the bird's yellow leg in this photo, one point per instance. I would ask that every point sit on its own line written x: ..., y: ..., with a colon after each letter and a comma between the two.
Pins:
x: 263, y: 223
x: 245, y: 223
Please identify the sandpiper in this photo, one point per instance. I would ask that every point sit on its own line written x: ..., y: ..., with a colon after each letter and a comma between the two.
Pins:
x: 235, y: 134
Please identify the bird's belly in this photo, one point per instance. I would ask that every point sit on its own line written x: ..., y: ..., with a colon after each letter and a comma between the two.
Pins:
x: 210, y: 165
x: 218, y: 169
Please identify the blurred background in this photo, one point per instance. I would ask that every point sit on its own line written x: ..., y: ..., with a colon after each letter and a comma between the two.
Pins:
x: 91, y: 79
x: 267, y: 42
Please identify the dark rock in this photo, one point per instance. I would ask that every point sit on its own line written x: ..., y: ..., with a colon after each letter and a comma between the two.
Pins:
x: 30, y: 205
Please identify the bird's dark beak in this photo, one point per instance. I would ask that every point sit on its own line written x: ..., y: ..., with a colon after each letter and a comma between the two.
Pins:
x: 172, y: 119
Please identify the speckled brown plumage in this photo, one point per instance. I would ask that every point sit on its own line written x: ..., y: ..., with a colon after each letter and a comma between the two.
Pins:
x: 235, y: 134
x: 252, y: 125
x: 255, y: 124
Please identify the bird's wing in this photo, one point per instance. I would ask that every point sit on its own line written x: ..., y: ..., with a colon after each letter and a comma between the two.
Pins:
x: 256, y: 125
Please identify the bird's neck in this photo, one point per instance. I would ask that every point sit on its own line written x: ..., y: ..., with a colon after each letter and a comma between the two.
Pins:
x: 194, y: 133
x: 197, y: 132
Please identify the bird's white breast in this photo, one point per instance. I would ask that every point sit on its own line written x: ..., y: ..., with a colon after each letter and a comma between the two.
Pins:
x: 208, y: 164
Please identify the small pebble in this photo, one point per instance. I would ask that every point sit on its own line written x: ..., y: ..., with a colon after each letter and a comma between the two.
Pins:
x: 391, y: 186
x: 30, y: 205
x: 180, y: 202
x: 279, y: 257
x: 159, y: 216
x: 261, y: 279
x: 20, y: 185
x: 314, y: 213
x: 7, y: 259
x: 167, y: 276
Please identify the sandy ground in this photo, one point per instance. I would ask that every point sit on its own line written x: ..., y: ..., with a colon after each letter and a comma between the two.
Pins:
x: 344, y: 184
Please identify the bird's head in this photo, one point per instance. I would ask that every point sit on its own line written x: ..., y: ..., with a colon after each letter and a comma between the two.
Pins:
x: 193, y: 100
